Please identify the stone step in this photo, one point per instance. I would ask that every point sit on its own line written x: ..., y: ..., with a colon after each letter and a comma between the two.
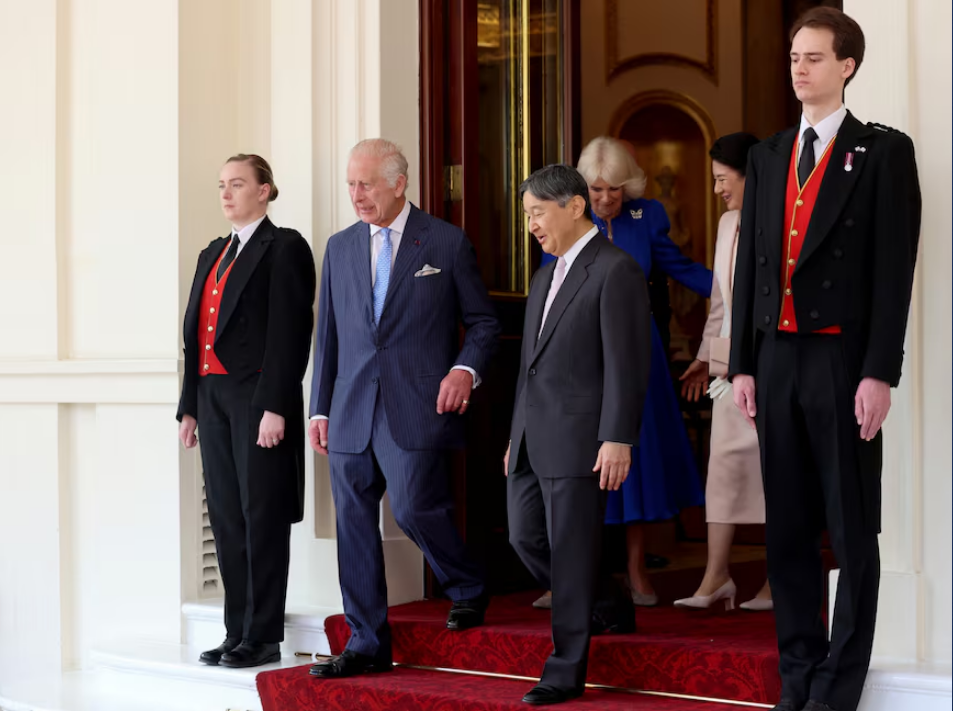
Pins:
x: 304, y: 627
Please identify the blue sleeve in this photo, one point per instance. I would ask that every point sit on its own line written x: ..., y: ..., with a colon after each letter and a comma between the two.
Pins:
x: 667, y: 257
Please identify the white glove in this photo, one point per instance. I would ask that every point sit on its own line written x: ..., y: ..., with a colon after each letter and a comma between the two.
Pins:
x: 718, y: 388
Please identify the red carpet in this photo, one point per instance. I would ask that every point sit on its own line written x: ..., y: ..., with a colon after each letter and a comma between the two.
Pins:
x: 418, y: 690
x: 723, y: 656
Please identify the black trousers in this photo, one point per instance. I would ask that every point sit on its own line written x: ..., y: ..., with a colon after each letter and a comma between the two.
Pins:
x: 817, y: 473
x: 556, y: 528
x: 247, y: 491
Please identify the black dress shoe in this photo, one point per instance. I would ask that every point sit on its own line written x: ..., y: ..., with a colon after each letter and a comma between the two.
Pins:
x: 787, y: 705
x: 465, y: 614
x: 542, y: 695
x: 251, y: 654
x: 613, y: 612
x: 213, y: 656
x: 350, y: 664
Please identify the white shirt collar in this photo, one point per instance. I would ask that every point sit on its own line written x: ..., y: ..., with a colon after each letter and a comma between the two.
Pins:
x: 573, y: 252
x: 245, y: 233
x: 399, y: 224
x: 826, y: 128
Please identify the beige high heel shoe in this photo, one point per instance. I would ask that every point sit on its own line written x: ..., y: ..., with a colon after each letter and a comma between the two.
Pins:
x: 726, y: 592
x: 758, y: 604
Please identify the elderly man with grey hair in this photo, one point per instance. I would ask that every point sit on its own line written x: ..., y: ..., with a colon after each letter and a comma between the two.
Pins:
x: 583, y: 377
x: 391, y: 384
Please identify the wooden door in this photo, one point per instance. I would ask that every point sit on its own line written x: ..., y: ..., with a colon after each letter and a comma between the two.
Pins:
x: 498, y: 78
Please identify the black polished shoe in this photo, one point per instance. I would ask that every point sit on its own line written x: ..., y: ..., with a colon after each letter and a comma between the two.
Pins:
x: 613, y: 612
x: 350, y: 664
x: 543, y: 695
x: 787, y: 705
x: 213, y: 656
x: 816, y: 706
x: 252, y: 654
x: 465, y: 614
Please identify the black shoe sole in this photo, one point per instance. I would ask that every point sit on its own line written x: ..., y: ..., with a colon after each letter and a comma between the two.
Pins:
x: 276, y: 657
x: 369, y: 670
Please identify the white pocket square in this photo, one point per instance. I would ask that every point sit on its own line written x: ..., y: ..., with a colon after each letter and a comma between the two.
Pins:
x: 427, y: 271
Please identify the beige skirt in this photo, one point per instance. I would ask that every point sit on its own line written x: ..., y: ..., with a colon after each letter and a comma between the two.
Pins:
x: 734, y: 492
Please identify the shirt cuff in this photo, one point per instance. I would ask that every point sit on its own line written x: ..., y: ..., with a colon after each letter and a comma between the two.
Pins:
x: 471, y: 371
x: 318, y: 417
x: 620, y: 443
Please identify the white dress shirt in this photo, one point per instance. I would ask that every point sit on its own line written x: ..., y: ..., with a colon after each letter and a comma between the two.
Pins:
x: 826, y: 129
x: 397, y: 228
x: 245, y: 233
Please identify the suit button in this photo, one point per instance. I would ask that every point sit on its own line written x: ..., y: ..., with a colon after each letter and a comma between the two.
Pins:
x: 532, y: 371
x: 792, y: 262
x: 212, y: 310
x: 794, y: 233
x: 208, y: 347
x: 815, y: 315
x: 374, y: 381
x: 762, y: 261
x: 767, y: 320
x: 209, y: 329
x: 206, y: 367
x: 785, y: 322
x: 760, y: 232
x: 826, y: 284
x: 765, y: 290
x: 849, y: 222
x: 380, y: 348
x: 787, y: 292
x: 838, y: 253
x: 799, y: 203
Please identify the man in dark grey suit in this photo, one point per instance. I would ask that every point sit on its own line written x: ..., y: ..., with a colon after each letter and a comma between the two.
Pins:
x: 390, y: 383
x: 583, y: 376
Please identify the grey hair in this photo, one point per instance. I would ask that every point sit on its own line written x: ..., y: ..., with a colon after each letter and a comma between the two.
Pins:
x: 393, y: 161
x: 557, y: 183
x: 608, y: 159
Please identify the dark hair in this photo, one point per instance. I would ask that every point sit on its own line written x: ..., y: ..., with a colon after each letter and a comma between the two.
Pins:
x: 732, y: 150
x: 558, y: 183
x: 263, y: 173
x: 848, y: 37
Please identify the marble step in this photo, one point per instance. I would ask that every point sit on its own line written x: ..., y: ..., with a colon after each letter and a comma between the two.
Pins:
x: 304, y: 627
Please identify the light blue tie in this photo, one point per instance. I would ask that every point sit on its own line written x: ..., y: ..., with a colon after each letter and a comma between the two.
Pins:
x: 382, y: 275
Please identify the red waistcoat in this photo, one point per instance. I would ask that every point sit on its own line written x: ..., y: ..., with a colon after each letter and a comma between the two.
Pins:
x: 208, y: 319
x: 798, y: 205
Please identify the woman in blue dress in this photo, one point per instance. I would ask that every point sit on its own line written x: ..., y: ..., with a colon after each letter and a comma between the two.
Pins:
x: 663, y: 479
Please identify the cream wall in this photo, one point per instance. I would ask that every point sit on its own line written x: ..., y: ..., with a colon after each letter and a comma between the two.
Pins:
x: 637, y: 32
x: 123, y: 114
x: 905, y: 82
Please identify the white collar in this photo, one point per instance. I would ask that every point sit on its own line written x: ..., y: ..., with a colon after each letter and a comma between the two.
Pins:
x: 826, y: 128
x: 399, y: 224
x: 573, y: 252
x: 245, y: 233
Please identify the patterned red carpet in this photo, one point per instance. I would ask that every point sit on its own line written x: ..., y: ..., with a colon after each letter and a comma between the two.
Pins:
x: 723, y: 656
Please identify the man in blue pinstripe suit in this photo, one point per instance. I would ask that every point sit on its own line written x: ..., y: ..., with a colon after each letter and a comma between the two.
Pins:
x: 389, y: 385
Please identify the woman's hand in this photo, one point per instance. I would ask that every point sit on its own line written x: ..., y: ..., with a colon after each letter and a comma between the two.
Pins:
x: 695, y: 380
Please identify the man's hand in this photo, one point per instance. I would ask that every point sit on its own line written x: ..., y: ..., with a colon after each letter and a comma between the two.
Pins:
x: 271, y: 430
x: 318, y: 435
x: 506, y: 460
x: 695, y: 380
x: 187, y: 431
x: 454, y: 395
x: 742, y: 388
x: 614, y: 462
x: 871, y: 405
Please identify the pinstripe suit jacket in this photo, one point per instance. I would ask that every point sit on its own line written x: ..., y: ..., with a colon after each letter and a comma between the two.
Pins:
x: 403, y: 359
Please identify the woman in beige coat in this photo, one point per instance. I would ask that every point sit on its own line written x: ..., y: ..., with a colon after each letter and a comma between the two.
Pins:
x: 734, y: 492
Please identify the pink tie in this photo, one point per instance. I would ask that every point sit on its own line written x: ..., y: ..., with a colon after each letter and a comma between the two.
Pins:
x: 558, y: 277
